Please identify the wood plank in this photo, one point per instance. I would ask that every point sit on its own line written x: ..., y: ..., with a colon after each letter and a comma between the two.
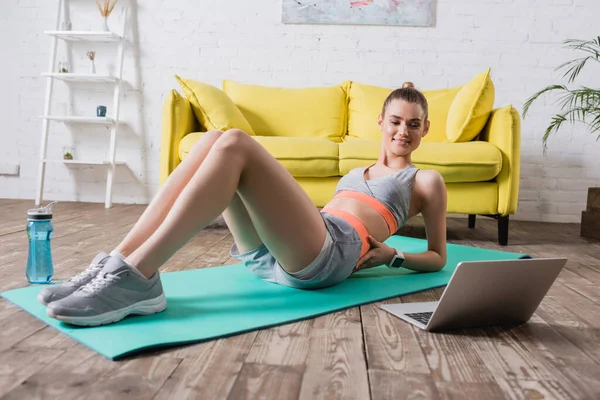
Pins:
x: 573, y: 369
x: 282, y: 345
x: 17, y: 220
x: 451, y: 356
x: 521, y: 389
x: 571, y: 318
x: 336, y: 365
x: 589, y: 291
x: 218, y: 253
x: 16, y: 365
x: 7, y: 308
x: 68, y: 376
x: 47, y: 337
x: 464, y: 391
x: 260, y: 381
x: 401, y: 385
x: 22, y: 324
x: 139, y: 378
x: 592, y: 275
x: 209, y: 372
x: 390, y: 343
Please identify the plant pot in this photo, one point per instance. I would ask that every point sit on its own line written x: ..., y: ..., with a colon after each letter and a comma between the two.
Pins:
x: 68, y: 152
x: 590, y: 218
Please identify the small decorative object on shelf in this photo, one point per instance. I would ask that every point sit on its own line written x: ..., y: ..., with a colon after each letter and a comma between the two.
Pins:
x: 63, y: 66
x: 67, y: 153
x: 106, y: 7
x: 92, y: 55
x: 101, y: 111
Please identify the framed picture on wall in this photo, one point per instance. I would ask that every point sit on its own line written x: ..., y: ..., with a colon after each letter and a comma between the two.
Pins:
x: 364, y: 12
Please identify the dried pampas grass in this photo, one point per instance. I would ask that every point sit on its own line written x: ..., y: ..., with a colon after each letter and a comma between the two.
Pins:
x: 106, y: 7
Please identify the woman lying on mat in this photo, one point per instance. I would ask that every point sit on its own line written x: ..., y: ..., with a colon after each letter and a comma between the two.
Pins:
x: 279, y: 234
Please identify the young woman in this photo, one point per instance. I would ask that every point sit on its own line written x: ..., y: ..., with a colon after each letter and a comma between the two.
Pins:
x: 279, y: 234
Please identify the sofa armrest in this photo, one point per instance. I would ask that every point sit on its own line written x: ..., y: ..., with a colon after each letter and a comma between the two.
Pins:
x: 178, y: 120
x: 503, y: 129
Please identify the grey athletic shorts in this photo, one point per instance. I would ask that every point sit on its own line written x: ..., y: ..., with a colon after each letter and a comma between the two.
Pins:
x: 334, y: 263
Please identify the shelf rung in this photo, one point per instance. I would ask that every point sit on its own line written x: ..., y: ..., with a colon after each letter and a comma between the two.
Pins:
x: 88, y: 36
x: 82, y: 120
x: 81, y: 77
x: 82, y: 162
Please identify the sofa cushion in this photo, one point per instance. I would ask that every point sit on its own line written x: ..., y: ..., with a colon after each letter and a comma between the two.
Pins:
x: 212, y: 107
x: 470, y: 109
x: 457, y: 162
x: 318, y: 112
x: 365, y: 103
x: 302, y: 157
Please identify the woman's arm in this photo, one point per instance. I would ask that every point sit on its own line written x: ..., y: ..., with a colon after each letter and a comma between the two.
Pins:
x: 432, y: 191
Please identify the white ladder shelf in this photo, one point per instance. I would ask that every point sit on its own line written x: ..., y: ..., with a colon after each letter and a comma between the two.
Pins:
x: 112, y: 122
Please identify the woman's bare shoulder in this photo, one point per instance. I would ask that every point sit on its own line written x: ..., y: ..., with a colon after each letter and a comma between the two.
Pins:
x: 429, y: 182
x: 428, y: 177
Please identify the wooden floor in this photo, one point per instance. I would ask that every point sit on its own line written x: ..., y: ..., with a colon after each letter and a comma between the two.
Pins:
x: 360, y: 353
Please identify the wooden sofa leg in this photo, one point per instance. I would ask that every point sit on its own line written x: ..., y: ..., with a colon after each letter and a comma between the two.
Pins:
x: 472, y: 220
x: 503, y: 230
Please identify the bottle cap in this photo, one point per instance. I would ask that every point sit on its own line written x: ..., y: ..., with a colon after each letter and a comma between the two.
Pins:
x: 42, y: 213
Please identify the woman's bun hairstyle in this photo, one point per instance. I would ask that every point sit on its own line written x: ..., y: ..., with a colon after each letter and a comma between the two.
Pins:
x: 409, y: 94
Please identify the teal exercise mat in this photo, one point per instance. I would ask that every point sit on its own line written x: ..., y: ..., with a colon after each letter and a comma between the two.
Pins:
x: 210, y: 303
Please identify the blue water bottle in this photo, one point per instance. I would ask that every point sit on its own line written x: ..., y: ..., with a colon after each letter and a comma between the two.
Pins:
x: 39, y: 230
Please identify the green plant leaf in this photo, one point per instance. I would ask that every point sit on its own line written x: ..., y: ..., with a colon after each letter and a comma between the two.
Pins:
x: 538, y: 94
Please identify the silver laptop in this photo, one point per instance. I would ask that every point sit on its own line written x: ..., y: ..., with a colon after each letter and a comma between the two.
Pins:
x: 485, y: 293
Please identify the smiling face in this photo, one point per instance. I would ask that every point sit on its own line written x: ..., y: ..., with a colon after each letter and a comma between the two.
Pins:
x: 403, y: 125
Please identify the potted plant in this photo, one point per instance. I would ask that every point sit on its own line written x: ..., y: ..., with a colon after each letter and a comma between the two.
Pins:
x: 580, y: 105
x: 67, y: 153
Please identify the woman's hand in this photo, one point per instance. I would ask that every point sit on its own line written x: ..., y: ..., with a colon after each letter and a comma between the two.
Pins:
x: 380, y: 253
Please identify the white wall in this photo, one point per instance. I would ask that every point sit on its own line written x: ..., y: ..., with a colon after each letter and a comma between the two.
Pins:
x: 246, y: 41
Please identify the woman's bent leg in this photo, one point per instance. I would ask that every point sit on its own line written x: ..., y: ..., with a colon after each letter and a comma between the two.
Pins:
x: 283, y: 215
x: 161, y: 204
x: 241, y: 226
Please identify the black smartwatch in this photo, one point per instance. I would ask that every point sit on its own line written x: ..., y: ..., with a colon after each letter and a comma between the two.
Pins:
x: 397, y: 260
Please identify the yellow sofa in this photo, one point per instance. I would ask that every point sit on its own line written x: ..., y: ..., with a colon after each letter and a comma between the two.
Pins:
x: 320, y: 134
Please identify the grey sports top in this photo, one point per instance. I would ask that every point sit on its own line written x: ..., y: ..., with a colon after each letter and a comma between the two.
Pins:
x: 393, y: 190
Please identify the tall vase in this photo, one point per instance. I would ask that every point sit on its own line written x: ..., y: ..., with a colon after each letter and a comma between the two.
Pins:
x: 105, y: 26
x: 92, y: 67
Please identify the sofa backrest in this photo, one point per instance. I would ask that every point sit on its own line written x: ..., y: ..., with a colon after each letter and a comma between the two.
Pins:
x: 318, y: 112
x: 343, y: 112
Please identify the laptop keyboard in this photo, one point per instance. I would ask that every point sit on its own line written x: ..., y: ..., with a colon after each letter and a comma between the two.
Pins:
x: 422, y: 317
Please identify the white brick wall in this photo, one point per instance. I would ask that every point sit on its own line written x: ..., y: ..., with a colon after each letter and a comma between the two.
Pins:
x: 246, y: 41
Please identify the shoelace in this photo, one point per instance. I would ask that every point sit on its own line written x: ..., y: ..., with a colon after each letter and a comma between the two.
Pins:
x: 99, y: 282
x: 84, y: 275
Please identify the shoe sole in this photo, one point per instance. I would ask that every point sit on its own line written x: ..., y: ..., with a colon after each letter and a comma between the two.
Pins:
x: 145, y: 307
